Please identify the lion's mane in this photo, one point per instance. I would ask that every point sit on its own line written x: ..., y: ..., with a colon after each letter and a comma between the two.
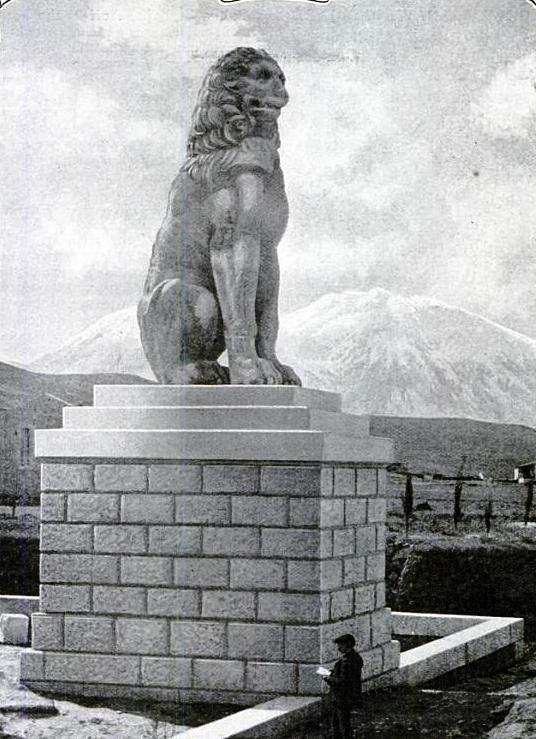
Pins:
x: 219, y: 122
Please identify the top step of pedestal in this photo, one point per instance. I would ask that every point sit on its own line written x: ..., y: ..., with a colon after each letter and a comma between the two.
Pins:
x: 218, y: 395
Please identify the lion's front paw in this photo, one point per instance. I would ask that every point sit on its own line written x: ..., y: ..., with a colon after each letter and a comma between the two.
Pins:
x: 254, y: 371
x: 246, y: 371
x: 288, y: 375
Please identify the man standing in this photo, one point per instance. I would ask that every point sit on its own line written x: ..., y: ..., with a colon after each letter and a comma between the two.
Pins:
x: 345, y: 686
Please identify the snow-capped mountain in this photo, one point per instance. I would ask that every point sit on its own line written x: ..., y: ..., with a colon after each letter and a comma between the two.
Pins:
x: 387, y: 354
x: 111, y: 344
x: 412, y: 356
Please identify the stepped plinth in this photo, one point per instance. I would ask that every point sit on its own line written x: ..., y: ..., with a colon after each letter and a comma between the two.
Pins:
x: 208, y: 543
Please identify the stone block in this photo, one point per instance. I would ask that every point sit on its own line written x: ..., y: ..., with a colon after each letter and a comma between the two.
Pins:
x: 89, y: 634
x: 228, y: 604
x: 309, y: 683
x: 355, y: 512
x: 177, y: 540
x: 92, y: 507
x: 491, y: 637
x: 332, y: 512
x: 66, y: 477
x: 115, y: 600
x: 64, y: 537
x: 326, y: 543
x: 230, y: 478
x: 382, y: 482
x: 260, y: 510
x: 372, y: 663
x: 354, y: 570
x: 121, y: 477
x: 391, y: 655
x: 365, y: 598
x: 289, y: 607
x: 257, y: 574
x: 344, y: 481
x: 47, y: 631
x: 343, y: 542
x: 331, y: 574
x: 214, y: 674
x: 32, y: 665
x: 79, y: 568
x: 302, y: 644
x: 147, y: 508
x: 305, y: 511
x: 255, y: 641
x: 341, y: 604
x: 376, y: 566
x: 231, y: 541
x: 173, y: 672
x: 326, y: 481
x: 377, y: 510
x: 198, y: 638
x: 120, y: 539
x: 146, y: 570
x: 203, y: 509
x: 201, y: 572
x: 380, y: 536
x: 367, y: 482
x: 358, y: 625
x: 380, y: 595
x: 14, y: 628
x: 298, y: 543
x: 303, y: 575
x: 365, y: 540
x: 381, y: 626
x: 92, y: 668
x: 142, y: 635
x: 52, y: 507
x: 174, y: 603
x: 175, y: 478
x: 283, y: 480
x: 517, y: 629
x: 64, y: 598
x: 276, y: 677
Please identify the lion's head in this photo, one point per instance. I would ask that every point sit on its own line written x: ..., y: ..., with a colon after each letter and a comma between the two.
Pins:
x: 241, y: 95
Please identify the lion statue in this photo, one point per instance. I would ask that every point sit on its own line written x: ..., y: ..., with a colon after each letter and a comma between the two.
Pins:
x: 213, y: 278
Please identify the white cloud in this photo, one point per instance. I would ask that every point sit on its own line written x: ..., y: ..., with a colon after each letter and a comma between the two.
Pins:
x: 507, y: 106
x: 47, y: 113
x: 176, y: 27
x: 321, y: 143
x: 142, y: 24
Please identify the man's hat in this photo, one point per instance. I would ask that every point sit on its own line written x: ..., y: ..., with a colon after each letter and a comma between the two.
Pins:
x: 345, y: 639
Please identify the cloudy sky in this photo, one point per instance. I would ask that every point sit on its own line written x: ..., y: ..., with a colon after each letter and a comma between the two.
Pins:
x: 408, y: 150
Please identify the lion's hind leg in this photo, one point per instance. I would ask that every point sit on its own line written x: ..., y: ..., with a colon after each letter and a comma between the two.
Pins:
x: 182, y: 334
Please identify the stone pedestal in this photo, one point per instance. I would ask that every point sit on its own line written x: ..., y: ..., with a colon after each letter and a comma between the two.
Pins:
x: 208, y: 543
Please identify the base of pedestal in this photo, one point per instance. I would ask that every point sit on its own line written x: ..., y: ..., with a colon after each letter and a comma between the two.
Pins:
x: 207, y: 579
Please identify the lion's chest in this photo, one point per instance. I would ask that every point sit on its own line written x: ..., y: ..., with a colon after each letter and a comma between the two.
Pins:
x: 274, y: 214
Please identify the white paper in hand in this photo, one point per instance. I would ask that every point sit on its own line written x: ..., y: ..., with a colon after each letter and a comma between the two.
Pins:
x: 323, y: 672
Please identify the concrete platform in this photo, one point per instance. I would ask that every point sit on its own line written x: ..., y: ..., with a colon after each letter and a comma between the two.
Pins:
x: 195, y: 395
x: 224, y: 417
x: 266, y: 445
x: 224, y: 422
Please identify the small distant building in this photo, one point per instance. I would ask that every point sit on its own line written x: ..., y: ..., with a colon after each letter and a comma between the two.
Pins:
x: 525, y: 472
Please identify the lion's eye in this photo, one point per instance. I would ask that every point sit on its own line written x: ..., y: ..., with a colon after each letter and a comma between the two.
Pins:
x: 265, y: 74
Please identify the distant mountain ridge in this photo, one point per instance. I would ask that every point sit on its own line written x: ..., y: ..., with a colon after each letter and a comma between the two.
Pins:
x: 387, y: 354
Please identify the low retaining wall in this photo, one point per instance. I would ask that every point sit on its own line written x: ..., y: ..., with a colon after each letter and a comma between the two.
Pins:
x: 464, y: 640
